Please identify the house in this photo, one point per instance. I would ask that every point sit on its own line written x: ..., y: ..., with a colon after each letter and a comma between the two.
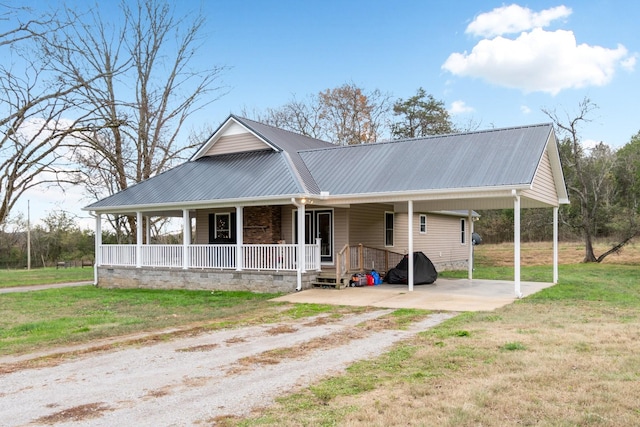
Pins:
x: 270, y: 210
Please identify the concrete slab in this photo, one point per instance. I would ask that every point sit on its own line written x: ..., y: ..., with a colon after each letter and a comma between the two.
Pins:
x: 444, y: 294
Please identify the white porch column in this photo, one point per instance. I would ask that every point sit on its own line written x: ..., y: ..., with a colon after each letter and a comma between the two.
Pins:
x: 138, y: 239
x: 516, y: 244
x: 98, y: 250
x: 555, y: 245
x: 301, y: 243
x: 147, y: 229
x: 470, y: 240
x: 186, y: 238
x: 239, y: 237
x: 410, y: 235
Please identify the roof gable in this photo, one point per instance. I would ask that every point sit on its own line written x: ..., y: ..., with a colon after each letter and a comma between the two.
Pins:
x: 233, y: 137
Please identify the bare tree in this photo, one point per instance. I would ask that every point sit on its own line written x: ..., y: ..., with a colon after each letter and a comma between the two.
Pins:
x: 36, y: 109
x: 148, y: 90
x: 589, y: 177
x: 345, y: 115
x: 352, y: 116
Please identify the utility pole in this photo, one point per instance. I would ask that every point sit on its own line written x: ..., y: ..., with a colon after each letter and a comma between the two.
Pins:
x: 28, y: 235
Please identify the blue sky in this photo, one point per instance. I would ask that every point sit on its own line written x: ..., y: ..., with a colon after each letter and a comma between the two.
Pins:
x: 491, y: 62
x: 281, y: 49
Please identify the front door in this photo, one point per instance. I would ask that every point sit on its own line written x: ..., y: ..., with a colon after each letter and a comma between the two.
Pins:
x: 319, y: 224
x: 324, y: 228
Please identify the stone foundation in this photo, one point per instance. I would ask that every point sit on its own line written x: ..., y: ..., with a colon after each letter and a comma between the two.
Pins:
x: 222, y: 280
x: 451, y: 265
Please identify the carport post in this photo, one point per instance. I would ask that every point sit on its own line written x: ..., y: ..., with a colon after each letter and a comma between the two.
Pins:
x: 410, y: 221
x: 516, y: 243
x: 555, y: 245
x: 470, y: 240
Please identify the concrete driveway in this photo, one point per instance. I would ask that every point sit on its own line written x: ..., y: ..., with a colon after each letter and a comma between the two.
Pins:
x: 444, y: 294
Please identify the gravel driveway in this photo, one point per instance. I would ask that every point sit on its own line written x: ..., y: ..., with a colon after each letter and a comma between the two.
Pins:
x: 194, y: 380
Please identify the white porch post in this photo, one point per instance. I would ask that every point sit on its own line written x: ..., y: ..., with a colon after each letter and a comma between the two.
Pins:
x: 318, y: 258
x: 138, y: 239
x: 98, y: 249
x: 186, y: 238
x: 555, y: 245
x: 410, y: 235
x: 147, y: 227
x: 301, y: 244
x: 516, y: 243
x: 239, y: 237
x: 470, y: 240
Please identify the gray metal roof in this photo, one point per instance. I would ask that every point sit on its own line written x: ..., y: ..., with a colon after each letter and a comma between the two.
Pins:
x: 291, y: 143
x: 492, y: 158
x: 479, y: 159
x: 229, y: 176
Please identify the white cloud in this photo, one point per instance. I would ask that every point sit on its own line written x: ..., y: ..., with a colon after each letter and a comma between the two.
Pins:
x: 514, y: 19
x: 460, y: 107
x: 629, y: 63
x: 539, y: 60
x: 525, y: 110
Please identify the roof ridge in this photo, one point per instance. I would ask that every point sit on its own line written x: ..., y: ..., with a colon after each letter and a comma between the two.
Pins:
x: 447, y: 135
x: 240, y: 118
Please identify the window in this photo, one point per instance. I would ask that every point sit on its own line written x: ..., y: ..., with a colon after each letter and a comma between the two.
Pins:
x: 223, y: 226
x: 388, y: 228
x: 423, y: 224
x: 463, y: 227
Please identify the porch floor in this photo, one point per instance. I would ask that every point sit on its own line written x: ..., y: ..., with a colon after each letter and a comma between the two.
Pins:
x: 444, y: 294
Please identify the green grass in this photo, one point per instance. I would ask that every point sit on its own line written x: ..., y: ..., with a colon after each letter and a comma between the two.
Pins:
x: 36, y: 320
x: 483, y: 345
x: 40, y: 276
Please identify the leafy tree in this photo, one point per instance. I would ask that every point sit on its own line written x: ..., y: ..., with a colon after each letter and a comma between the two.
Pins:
x: 421, y: 115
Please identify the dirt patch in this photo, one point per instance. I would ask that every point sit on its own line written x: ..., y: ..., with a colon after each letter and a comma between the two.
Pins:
x: 77, y: 413
x: 204, y: 347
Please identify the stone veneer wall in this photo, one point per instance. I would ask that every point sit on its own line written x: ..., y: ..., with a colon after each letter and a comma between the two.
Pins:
x: 451, y: 265
x: 223, y: 280
x: 262, y: 225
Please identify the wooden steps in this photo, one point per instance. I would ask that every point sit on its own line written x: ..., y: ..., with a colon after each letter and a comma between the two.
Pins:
x: 328, y: 281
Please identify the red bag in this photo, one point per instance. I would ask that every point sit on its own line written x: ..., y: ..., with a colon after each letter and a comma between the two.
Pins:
x: 370, y: 280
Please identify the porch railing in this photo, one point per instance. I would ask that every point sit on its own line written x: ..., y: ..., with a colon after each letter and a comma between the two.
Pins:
x: 280, y: 257
x: 360, y: 258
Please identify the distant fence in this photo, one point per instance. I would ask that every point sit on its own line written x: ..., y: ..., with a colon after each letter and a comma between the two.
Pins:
x: 84, y: 263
